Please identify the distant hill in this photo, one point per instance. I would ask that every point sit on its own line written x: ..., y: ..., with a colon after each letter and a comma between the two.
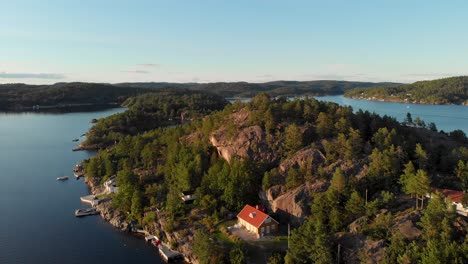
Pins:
x: 276, y: 88
x: 22, y: 97
x: 453, y: 90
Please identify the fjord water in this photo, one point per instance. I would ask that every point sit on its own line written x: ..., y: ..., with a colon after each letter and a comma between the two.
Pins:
x: 37, y: 222
x: 446, y: 117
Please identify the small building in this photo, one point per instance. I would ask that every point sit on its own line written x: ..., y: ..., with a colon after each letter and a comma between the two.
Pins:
x: 455, y: 196
x: 110, y: 185
x: 257, y: 221
x: 188, y: 197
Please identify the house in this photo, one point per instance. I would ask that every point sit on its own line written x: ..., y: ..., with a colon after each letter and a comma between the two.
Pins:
x: 188, y: 197
x: 257, y: 221
x: 110, y: 186
x: 455, y: 196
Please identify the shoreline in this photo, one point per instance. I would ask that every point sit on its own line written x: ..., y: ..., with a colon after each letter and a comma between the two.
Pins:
x: 118, y: 221
x: 400, y: 101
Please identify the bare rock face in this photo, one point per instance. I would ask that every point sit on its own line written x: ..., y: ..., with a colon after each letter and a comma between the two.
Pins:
x: 406, y: 225
x: 349, y: 169
x: 246, y: 143
x: 293, y: 205
x: 356, y: 248
x: 309, y: 156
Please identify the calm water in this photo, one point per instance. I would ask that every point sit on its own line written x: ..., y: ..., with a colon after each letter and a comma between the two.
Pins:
x: 37, y: 222
x: 446, y: 117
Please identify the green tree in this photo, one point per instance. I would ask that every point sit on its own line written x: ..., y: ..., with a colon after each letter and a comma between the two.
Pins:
x: 310, y: 243
x: 461, y: 171
x: 408, y: 119
x: 421, y: 156
x: 355, y: 204
x: 277, y: 257
x: 137, y: 205
x: 432, y: 127
x: 237, y: 255
x: 205, y: 249
x: 338, y: 182
x: 293, y: 138
x: 324, y: 126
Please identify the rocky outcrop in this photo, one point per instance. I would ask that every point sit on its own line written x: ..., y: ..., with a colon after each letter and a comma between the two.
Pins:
x: 292, y: 206
x: 358, y: 225
x: 246, y: 143
x: 308, y: 157
x: 356, y: 248
x: 406, y: 225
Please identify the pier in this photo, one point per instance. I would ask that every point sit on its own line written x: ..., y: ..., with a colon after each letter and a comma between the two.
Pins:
x: 91, y: 199
x: 166, y: 253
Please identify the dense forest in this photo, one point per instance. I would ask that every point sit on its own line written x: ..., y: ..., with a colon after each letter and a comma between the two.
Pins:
x: 150, y: 111
x: 452, y: 90
x: 373, y: 171
x: 22, y: 97
x: 276, y: 88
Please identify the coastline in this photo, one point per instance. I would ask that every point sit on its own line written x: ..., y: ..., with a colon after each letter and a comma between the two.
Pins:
x: 397, y: 100
x: 179, y: 240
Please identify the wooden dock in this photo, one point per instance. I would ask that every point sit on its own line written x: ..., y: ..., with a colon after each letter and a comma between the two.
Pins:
x: 169, y: 254
x: 166, y: 253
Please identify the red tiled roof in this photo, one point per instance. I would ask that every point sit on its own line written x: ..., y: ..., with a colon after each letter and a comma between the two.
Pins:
x: 252, y: 216
x: 455, y: 196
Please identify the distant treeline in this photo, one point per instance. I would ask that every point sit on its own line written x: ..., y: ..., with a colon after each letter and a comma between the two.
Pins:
x: 276, y: 88
x: 452, y: 90
x: 22, y: 97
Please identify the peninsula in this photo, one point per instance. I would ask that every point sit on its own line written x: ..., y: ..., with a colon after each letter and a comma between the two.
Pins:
x: 186, y: 165
x: 453, y: 90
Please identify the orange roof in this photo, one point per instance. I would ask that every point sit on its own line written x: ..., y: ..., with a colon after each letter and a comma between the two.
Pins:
x: 455, y: 196
x: 252, y: 216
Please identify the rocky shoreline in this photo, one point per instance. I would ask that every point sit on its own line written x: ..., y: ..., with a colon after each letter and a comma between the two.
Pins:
x: 180, y: 240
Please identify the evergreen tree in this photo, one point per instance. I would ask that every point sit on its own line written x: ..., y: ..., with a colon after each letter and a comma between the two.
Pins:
x: 310, y: 243
x: 355, y: 204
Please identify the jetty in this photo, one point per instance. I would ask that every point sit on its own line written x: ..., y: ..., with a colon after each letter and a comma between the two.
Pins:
x: 164, y: 250
x: 91, y: 199
x: 168, y: 254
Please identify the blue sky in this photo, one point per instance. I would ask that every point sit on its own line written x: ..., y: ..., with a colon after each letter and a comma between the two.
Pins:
x: 206, y: 41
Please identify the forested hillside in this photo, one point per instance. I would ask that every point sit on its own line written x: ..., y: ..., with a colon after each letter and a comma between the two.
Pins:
x: 357, y: 180
x: 153, y: 110
x: 276, y: 88
x: 24, y: 97
x: 21, y: 97
x: 452, y: 90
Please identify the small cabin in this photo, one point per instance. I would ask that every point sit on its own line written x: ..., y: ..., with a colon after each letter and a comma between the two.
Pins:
x: 188, y: 197
x: 256, y: 221
x: 110, y: 185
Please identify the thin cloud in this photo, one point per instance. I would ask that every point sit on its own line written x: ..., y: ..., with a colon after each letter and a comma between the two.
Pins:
x: 431, y: 75
x: 149, y: 65
x: 55, y: 76
x: 137, y: 71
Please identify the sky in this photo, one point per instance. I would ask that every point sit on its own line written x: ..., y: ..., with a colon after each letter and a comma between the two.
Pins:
x: 115, y: 41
